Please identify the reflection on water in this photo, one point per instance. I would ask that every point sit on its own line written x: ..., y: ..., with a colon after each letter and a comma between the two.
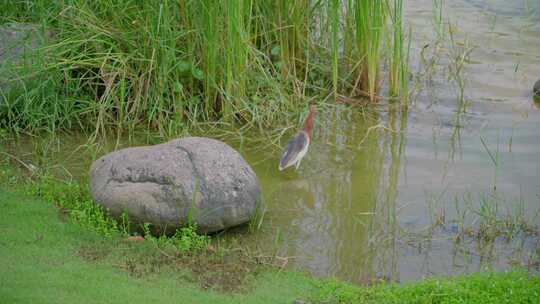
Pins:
x: 505, y: 8
x: 396, y: 193
x: 393, y: 206
x: 322, y: 208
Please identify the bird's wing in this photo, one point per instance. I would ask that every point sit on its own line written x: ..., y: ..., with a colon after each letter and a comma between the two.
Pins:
x: 293, y: 149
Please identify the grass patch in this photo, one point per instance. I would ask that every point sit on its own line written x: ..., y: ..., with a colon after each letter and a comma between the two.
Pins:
x: 74, y: 202
x: 61, y: 255
x: 167, y: 66
x: 207, y: 261
x: 513, y: 287
x: 47, y: 260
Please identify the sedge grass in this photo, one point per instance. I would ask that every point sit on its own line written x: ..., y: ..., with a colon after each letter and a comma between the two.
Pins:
x: 398, y: 59
x: 129, y: 64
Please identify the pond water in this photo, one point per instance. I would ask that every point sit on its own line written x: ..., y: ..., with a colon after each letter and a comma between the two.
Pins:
x: 365, y: 201
x: 400, y: 193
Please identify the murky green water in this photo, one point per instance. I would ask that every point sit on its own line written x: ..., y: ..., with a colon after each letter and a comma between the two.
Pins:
x: 387, y: 192
x: 360, y: 207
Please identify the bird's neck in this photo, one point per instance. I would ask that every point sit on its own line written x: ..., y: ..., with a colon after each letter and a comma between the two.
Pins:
x: 308, y: 124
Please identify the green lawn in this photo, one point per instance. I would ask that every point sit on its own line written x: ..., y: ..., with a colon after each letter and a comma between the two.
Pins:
x: 40, y: 263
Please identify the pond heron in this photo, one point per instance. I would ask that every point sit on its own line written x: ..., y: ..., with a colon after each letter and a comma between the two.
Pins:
x: 298, y: 146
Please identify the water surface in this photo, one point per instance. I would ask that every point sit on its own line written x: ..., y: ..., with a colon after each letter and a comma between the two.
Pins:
x: 362, y: 206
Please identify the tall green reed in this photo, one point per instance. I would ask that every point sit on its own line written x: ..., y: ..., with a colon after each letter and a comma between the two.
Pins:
x: 398, y: 57
x: 370, y: 20
x: 167, y: 65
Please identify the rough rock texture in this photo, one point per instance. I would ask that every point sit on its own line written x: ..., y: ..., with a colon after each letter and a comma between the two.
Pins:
x: 16, y: 39
x: 163, y: 184
x: 16, y: 42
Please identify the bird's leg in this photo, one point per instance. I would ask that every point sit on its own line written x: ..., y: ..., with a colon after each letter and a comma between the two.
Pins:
x: 298, y: 164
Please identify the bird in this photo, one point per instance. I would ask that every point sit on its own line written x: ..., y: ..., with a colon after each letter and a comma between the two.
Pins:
x: 298, y: 145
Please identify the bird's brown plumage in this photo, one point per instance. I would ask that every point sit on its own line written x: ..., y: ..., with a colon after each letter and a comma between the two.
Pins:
x: 308, y: 123
x: 298, y: 145
x: 295, y: 147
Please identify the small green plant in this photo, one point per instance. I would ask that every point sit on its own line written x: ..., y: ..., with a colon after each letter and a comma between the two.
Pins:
x: 398, y: 74
x: 186, y: 239
x: 258, y: 217
x: 3, y: 134
x: 75, y: 200
x: 437, y: 18
x: 124, y: 223
x: 146, y: 231
x: 334, y: 291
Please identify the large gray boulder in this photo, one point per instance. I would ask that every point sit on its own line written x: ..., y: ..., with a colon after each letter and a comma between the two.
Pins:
x: 165, y: 184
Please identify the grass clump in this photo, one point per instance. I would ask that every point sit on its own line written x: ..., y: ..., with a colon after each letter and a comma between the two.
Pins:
x: 166, y: 66
x: 511, y: 287
x: 185, y: 239
x: 75, y: 201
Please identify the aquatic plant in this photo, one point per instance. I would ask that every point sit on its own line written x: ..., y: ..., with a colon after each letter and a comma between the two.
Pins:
x: 169, y: 65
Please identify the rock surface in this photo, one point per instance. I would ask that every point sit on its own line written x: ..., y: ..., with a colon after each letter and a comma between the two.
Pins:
x: 165, y: 183
x: 16, y: 41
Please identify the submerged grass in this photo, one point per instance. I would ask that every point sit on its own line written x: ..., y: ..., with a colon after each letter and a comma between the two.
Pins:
x: 484, y: 227
x: 166, y: 66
